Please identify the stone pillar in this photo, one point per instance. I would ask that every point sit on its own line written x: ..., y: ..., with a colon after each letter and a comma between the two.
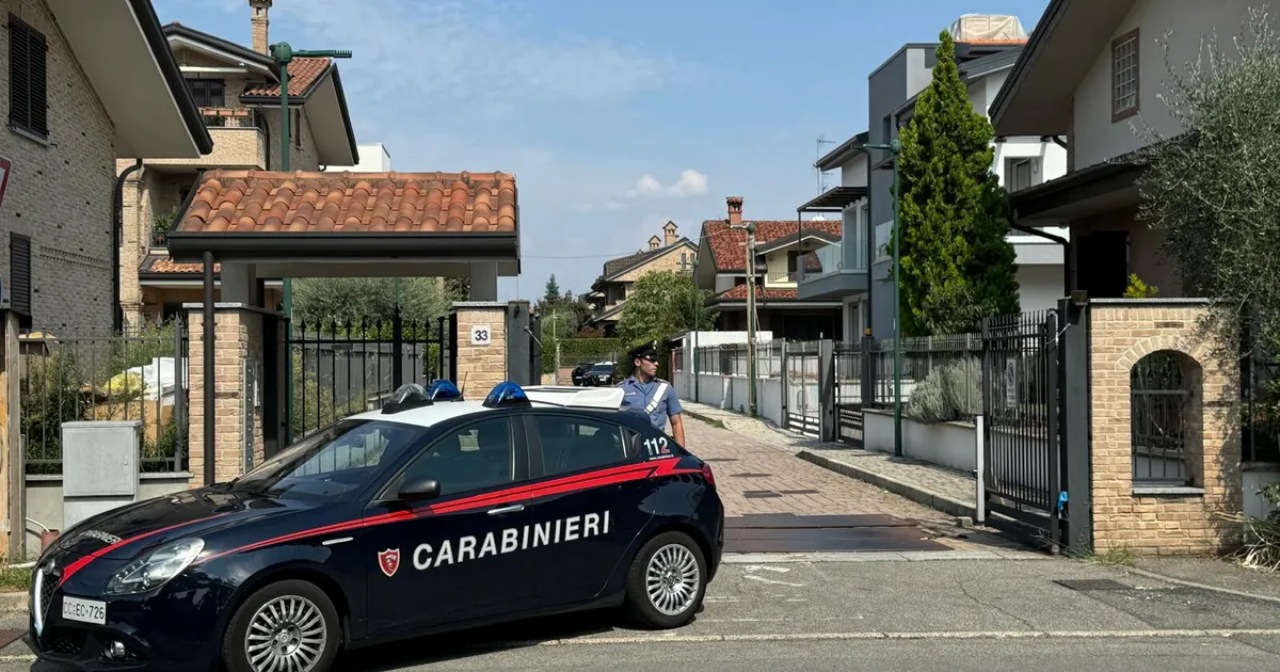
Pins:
x: 482, y: 346
x: 237, y: 371
x: 13, y: 485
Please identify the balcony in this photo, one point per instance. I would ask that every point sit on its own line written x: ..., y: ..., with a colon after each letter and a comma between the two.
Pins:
x: 239, y: 140
x: 844, y: 271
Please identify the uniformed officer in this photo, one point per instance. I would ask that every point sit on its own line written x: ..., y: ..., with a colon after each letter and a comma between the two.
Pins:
x: 653, y: 396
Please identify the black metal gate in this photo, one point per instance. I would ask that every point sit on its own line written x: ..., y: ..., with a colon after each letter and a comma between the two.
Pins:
x: 850, y: 362
x: 345, y: 368
x: 1023, y: 467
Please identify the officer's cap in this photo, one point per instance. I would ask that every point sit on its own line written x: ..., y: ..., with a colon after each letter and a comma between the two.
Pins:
x: 646, y: 351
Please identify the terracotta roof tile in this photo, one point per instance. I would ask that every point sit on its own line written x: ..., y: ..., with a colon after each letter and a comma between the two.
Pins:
x: 303, y: 72
x: 728, y: 245
x: 315, y: 202
x: 739, y: 293
x: 164, y: 264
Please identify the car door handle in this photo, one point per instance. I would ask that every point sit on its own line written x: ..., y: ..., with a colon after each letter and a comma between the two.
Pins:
x: 506, y: 509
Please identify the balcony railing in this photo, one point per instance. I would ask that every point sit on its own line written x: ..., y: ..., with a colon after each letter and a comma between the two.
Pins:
x: 159, y: 239
x: 232, y: 117
x: 792, y: 276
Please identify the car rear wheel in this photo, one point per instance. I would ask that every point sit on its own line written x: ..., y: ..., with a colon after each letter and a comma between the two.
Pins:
x: 667, y: 581
x: 290, y: 626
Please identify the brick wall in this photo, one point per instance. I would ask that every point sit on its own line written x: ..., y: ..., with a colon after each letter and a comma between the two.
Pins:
x: 1174, y: 521
x: 60, y: 192
x: 237, y: 335
x: 481, y: 367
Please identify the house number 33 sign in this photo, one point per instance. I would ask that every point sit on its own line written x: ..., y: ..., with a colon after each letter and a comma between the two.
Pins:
x: 481, y: 335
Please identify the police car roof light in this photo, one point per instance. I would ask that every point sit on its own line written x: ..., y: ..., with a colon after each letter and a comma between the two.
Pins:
x: 411, y: 395
x: 444, y: 390
x: 504, y: 394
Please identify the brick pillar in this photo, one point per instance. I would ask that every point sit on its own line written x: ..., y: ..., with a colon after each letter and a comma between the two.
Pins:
x: 483, y: 363
x: 237, y: 342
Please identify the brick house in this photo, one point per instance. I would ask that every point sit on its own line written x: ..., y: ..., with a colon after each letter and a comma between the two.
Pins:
x: 722, y: 268
x: 237, y: 90
x: 609, y: 291
x: 86, y: 84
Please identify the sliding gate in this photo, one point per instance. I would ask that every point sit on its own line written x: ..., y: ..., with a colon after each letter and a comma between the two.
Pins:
x: 1023, y: 461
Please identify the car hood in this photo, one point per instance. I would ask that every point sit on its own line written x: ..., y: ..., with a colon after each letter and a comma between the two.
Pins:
x: 161, y: 519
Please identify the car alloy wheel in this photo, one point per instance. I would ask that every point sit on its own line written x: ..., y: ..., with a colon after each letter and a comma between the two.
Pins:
x: 285, y: 626
x: 666, y: 581
x: 287, y: 634
x: 672, y: 579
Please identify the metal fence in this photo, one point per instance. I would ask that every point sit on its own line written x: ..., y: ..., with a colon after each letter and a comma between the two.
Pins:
x: 343, y: 368
x: 1260, y: 389
x: 1158, y: 400
x: 956, y: 355
x: 138, y: 374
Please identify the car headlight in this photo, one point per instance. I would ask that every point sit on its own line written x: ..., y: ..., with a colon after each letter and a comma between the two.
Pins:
x: 155, y: 568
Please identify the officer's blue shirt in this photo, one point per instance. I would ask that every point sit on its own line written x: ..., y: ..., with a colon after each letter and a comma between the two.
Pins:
x: 636, y: 396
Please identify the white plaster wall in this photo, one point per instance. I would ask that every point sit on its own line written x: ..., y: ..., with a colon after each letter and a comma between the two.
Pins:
x: 1097, y: 137
x: 853, y: 173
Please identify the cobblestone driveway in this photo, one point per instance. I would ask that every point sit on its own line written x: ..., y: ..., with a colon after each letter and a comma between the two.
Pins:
x: 744, y: 466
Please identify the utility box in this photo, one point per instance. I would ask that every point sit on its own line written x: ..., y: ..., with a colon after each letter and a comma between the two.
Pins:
x: 100, y: 468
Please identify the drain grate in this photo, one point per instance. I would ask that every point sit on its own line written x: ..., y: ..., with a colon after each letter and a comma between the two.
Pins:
x: 799, y: 492
x: 8, y: 637
x: 760, y: 494
x: 1085, y: 585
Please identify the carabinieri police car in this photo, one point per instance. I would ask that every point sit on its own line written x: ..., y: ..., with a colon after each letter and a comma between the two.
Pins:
x: 434, y: 513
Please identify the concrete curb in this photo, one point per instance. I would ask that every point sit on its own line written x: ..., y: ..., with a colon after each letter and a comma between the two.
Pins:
x: 705, y: 418
x: 13, y: 601
x: 913, y: 492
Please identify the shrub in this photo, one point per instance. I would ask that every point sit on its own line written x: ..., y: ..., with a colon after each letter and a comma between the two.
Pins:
x: 952, y: 391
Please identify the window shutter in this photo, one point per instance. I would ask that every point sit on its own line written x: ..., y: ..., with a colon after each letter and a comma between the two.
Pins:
x: 20, y: 277
x: 38, y: 52
x: 19, y: 79
x: 28, y: 73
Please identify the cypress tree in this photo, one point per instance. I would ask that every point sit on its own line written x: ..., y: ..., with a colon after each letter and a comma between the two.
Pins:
x: 957, y: 265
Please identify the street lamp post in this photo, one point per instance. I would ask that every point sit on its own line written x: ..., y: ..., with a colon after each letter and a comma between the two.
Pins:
x: 283, y: 54
x: 895, y: 148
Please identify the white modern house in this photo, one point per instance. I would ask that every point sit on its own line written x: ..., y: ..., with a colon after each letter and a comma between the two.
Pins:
x: 987, y: 49
x: 373, y: 158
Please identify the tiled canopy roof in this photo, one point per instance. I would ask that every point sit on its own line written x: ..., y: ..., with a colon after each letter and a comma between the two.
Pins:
x: 240, y: 201
x: 739, y: 293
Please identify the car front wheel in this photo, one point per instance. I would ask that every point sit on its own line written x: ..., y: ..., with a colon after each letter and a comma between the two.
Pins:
x: 287, y: 625
x: 667, y: 581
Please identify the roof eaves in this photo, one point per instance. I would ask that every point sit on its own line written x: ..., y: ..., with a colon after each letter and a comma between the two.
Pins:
x: 1044, y: 28
x: 177, y: 29
x: 154, y: 35
x: 838, y: 156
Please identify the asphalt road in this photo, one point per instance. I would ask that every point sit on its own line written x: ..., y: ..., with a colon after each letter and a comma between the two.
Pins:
x: 974, y: 615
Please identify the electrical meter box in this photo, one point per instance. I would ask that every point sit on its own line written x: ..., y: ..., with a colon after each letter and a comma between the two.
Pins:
x: 100, y: 468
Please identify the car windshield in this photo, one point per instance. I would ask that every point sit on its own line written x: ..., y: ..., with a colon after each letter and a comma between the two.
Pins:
x: 339, y: 459
x: 602, y: 368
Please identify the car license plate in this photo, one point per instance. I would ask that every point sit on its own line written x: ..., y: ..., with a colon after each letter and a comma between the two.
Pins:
x: 85, y: 611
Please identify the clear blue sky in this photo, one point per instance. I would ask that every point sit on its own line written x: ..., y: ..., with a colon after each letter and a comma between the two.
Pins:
x: 600, y: 107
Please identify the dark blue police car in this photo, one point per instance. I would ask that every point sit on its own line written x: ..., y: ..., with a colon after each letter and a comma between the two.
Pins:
x: 432, y: 514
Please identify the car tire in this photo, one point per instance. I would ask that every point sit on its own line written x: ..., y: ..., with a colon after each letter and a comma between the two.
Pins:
x: 676, y: 557
x: 303, y: 595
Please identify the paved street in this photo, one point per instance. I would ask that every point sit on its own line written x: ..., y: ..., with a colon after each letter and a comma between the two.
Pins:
x: 884, y: 616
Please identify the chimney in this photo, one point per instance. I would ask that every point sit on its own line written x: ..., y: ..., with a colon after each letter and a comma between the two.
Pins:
x: 258, y: 20
x: 653, y: 242
x: 669, y: 232
x: 735, y: 209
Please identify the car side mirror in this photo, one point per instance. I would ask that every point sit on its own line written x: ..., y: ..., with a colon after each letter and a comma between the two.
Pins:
x: 419, y: 489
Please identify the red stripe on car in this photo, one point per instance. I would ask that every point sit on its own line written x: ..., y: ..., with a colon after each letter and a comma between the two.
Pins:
x: 84, y: 561
x: 559, y: 486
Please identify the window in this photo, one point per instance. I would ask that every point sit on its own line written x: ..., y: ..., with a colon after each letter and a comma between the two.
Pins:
x: 296, y: 129
x: 1124, y: 76
x: 1017, y: 174
x: 208, y: 92
x: 575, y: 444
x: 28, y: 96
x: 343, y: 458
x: 20, y: 274
x: 478, y: 456
x: 883, y: 230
